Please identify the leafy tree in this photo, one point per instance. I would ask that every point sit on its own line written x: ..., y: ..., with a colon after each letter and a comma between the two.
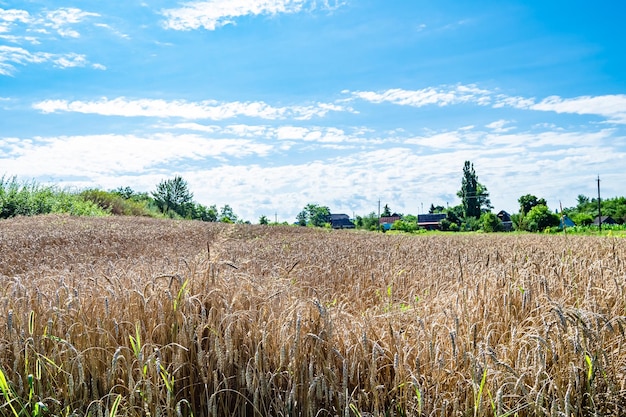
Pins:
x: 540, y: 218
x: 386, y: 211
x: 491, y: 223
x: 264, y: 220
x: 455, y: 214
x: 436, y: 209
x: 474, y: 195
x: 405, y: 226
x: 204, y: 213
x: 173, y: 195
x: 314, y: 215
x: 369, y: 222
x: 528, y: 201
x: 302, y: 218
x: 227, y: 215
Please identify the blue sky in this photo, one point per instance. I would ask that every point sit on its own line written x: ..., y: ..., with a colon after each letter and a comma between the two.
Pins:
x: 268, y: 105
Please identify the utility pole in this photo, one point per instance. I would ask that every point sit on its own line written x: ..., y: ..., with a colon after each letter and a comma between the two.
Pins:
x: 276, y: 217
x: 599, y: 207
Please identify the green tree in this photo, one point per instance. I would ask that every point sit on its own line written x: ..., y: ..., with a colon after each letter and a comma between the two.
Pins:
x: 528, y: 201
x: 436, y: 209
x: 173, y: 195
x: 227, y: 215
x: 540, y: 218
x: 264, y: 220
x: 369, y: 222
x: 491, y: 223
x: 314, y: 215
x: 474, y: 195
x: 386, y: 211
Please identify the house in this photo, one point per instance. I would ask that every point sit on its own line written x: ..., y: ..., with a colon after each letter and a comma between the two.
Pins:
x: 387, y: 221
x: 567, y: 222
x: 430, y: 221
x: 505, y: 218
x: 604, y: 220
x: 341, y: 221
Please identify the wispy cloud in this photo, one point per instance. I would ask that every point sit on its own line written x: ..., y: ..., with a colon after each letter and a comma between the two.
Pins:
x: 11, y: 56
x: 500, y: 126
x: 440, y: 96
x: 611, y: 107
x: 60, y: 21
x: 101, y: 155
x: 212, y: 14
x: 209, y: 109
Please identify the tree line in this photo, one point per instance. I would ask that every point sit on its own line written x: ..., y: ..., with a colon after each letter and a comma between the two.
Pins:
x: 475, y: 212
x: 172, y: 198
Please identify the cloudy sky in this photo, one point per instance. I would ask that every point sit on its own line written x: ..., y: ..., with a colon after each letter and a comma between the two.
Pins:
x: 268, y: 105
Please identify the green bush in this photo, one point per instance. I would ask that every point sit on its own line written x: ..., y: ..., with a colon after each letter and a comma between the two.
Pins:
x: 116, y: 204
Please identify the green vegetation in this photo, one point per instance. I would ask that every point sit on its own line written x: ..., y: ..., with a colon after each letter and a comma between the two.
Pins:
x: 171, y: 198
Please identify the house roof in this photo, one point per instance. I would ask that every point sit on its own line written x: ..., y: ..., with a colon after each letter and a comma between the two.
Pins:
x: 605, y: 220
x: 430, y: 218
x: 389, y: 219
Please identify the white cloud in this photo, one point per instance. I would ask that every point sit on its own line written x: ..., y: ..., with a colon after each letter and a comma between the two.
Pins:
x: 61, y: 19
x: 208, y: 109
x: 102, y: 155
x: 213, y: 14
x: 440, y: 96
x: 11, y: 56
x: 613, y: 107
x: 499, y: 126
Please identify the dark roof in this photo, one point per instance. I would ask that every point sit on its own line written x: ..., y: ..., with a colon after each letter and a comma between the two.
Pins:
x: 504, y: 216
x: 605, y: 220
x: 430, y: 218
x: 341, y: 221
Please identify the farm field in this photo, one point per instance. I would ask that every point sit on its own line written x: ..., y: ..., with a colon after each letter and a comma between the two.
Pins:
x: 134, y: 316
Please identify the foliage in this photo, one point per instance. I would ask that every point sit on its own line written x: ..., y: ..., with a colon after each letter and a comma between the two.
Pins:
x: 30, y: 199
x: 118, y: 204
x: 369, y: 222
x: 586, y: 207
x: 491, y: 223
x: 436, y: 209
x: 314, y: 215
x: 264, y: 220
x: 386, y: 211
x: 227, y: 215
x: 474, y: 195
x: 540, y: 218
x: 173, y: 196
x: 405, y: 226
x: 528, y: 201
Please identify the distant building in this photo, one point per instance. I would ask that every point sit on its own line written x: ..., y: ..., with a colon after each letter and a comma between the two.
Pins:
x: 341, y: 221
x: 387, y: 221
x: 505, y: 218
x: 430, y: 221
x: 603, y: 220
x: 567, y: 222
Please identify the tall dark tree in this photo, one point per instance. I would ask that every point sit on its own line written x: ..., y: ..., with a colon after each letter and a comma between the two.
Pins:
x: 474, y: 195
x: 173, y: 195
x: 386, y: 211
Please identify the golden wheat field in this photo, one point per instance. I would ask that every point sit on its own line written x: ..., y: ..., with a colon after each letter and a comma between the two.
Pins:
x: 144, y: 317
